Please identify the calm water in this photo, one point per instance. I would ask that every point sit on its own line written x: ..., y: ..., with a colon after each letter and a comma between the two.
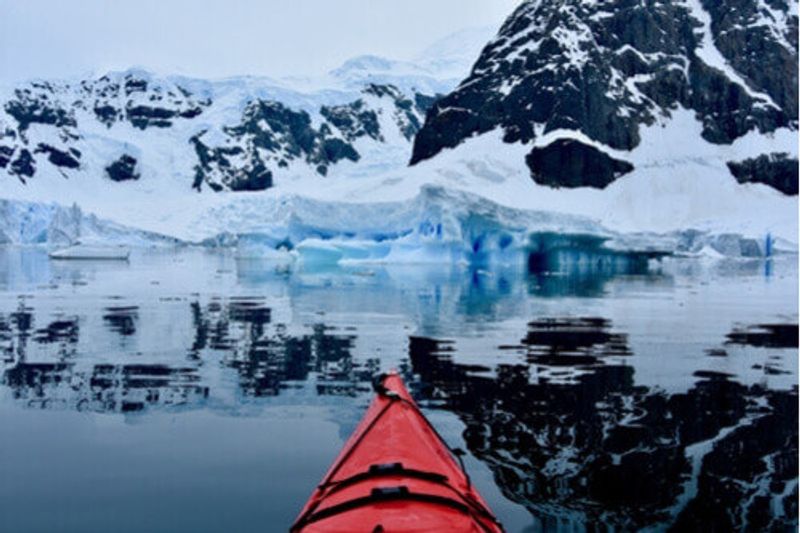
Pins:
x: 189, y: 391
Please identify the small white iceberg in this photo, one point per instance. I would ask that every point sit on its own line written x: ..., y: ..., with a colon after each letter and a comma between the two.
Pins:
x: 92, y: 252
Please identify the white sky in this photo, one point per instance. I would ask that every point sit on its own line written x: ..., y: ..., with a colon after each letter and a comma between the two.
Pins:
x: 215, y: 38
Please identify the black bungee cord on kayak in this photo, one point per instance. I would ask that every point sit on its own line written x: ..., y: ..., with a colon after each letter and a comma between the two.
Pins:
x: 396, y: 493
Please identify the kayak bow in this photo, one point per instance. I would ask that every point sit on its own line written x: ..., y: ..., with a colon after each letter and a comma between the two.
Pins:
x: 395, y: 474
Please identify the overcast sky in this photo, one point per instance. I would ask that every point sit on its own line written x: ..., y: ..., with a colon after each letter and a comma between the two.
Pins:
x: 214, y: 38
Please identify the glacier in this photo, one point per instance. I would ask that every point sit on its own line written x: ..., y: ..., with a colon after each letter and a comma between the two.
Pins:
x: 436, y: 226
x: 50, y: 224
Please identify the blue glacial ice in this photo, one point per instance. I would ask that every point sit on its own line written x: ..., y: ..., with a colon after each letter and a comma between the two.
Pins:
x: 445, y: 226
x: 437, y: 225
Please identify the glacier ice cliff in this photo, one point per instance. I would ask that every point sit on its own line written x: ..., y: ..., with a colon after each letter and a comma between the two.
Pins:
x: 437, y: 225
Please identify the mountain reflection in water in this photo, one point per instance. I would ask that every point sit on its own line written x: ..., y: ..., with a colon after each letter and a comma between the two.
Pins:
x: 602, y: 450
x: 593, y: 401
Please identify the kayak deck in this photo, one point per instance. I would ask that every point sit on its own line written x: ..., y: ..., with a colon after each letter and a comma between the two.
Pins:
x: 395, y: 473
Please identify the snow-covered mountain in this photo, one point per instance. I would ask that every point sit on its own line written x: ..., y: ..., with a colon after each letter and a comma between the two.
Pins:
x: 231, y: 135
x: 453, y: 55
x: 577, y: 81
x: 653, y: 127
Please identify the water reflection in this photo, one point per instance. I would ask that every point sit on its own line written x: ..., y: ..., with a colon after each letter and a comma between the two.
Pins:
x: 766, y: 336
x: 600, y: 450
x: 573, y: 342
x: 103, y: 388
x: 122, y: 319
x: 555, y: 285
x: 265, y: 357
x: 566, y: 431
x: 598, y: 401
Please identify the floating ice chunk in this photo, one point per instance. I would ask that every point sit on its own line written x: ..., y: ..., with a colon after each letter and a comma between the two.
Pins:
x: 342, y: 251
x: 319, y: 252
x: 709, y: 252
x: 84, y: 251
x: 261, y: 246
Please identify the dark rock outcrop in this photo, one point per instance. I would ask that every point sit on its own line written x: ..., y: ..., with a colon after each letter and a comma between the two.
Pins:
x: 267, y: 127
x: 407, y: 112
x: 123, y: 169
x: 424, y: 102
x: 60, y: 158
x: 776, y: 170
x: 144, y: 116
x: 570, y: 163
x: 215, y: 168
x: 6, y: 153
x: 23, y: 166
x: 354, y: 120
x: 28, y: 108
x: 109, y: 99
x: 141, y: 103
x: 107, y: 114
x: 759, y: 40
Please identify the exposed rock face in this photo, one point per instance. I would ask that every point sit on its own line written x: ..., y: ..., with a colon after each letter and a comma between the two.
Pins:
x: 68, y: 108
x: 132, y: 98
x: 569, y: 163
x: 759, y: 39
x: 111, y: 100
x: 606, y: 69
x: 5, y: 156
x: 67, y: 159
x: 353, y: 120
x: 123, y: 169
x: 28, y: 107
x: 224, y: 147
x: 407, y: 113
x: 23, y: 166
x: 272, y: 136
x: 216, y: 169
x: 776, y: 170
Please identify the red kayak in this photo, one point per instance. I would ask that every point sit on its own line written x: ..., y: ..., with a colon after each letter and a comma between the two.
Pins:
x: 395, y: 474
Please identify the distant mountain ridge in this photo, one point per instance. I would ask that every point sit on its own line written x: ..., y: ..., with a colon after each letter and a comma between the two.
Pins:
x: 234, y: 134
x: 239, y: 138
x: 588, y: 76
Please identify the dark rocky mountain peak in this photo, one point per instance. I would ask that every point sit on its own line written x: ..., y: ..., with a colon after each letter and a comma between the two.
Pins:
x: 606, y: 69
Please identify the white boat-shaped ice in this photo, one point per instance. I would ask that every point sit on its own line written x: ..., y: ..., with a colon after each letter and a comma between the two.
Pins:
x: 93, y: 252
